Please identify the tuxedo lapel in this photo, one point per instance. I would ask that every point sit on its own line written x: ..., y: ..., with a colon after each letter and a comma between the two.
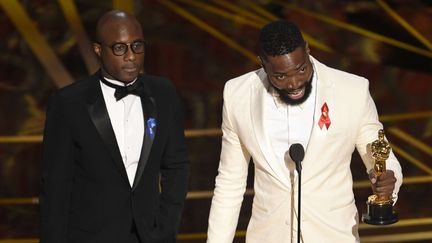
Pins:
x: 324, y: 95
x: 257, y: 116
x: 99, y: 115
x: 151, y: 125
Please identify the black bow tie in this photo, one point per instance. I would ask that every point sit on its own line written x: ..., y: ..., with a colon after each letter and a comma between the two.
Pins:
x: 122, y: 91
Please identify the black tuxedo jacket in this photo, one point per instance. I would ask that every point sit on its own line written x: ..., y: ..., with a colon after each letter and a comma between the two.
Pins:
x: 86, y: 195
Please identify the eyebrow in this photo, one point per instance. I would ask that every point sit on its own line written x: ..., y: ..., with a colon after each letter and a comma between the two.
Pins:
x: 300, y: 65
x: 296, y: 68
x: 137, y: 40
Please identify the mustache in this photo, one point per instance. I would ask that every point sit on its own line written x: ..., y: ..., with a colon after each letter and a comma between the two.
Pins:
x: 283, y: 94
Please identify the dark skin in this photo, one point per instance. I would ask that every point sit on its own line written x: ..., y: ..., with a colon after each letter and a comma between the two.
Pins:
x: 118, y: 27
x: 383, y: 185
x: 290, y: 73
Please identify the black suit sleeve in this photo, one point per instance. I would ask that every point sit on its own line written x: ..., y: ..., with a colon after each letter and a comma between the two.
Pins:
x: 174, y: 174
x: 57, y: 174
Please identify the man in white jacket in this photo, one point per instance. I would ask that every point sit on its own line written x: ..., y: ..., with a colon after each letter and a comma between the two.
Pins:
x: 292, y: 99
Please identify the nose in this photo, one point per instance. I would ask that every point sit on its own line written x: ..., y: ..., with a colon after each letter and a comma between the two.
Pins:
x: 129, y: 55
x: 294, y: 83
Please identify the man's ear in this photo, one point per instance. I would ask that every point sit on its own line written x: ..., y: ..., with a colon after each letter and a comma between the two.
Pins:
x: 261, y: 62
x: 307, y: 48
x: 97, y: 49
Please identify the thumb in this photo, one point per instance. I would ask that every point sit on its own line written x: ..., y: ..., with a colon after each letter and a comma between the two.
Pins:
x: 372, y: 176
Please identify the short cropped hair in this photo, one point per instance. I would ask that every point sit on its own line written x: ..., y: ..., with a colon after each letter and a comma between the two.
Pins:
x: 279, y: 38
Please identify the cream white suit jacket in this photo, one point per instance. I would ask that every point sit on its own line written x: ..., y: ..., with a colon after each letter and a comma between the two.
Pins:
x: 328, y: 212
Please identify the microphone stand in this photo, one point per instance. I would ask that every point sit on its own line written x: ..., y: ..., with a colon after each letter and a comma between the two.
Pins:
x: 298, y: 168
x: 297, y: 153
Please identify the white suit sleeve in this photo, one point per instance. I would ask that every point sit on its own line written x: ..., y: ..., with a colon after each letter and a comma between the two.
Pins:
x: 230, y: 182
x: 368, y: 132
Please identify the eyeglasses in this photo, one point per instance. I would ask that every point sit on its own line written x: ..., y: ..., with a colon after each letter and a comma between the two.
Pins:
x: 119, y: 49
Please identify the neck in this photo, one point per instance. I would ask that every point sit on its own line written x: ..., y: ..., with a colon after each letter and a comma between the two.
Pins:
x: 110, y: 77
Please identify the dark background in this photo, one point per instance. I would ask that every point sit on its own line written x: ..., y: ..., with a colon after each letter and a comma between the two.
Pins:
x: 199, y: 63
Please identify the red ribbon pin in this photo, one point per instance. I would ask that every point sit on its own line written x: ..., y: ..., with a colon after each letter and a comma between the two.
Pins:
x: 324, y: 119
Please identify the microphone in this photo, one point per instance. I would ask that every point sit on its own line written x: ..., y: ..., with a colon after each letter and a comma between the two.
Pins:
x: 297, y: 153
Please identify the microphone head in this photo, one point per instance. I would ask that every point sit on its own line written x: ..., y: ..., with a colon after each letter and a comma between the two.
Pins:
x: 296, y: 152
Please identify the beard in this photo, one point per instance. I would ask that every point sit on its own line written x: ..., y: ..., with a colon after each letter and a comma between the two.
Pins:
x: 283, y: 94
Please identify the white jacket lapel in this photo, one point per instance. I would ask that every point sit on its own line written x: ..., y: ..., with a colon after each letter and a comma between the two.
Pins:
x: 258, y: 92
x: 324, y: 95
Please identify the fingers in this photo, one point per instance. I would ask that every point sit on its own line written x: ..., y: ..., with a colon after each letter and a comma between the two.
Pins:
x: 386, y: 178
x: 386, y: 190
x: 384, y: 184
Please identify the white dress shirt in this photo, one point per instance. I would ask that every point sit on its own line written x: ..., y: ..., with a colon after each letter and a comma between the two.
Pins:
x: 288, y: 124
x: 127, y: 120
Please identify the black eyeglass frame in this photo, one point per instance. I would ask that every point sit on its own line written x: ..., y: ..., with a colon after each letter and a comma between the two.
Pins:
x: 126, y: 47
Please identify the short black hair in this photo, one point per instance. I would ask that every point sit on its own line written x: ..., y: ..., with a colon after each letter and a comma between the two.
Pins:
x: 279, y: 38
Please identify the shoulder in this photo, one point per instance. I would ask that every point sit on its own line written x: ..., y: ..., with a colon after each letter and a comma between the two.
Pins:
x: 244, y: 83
x: 76, y: 91
x: 156, y: 81
x: 162, y: 90
x: 158, y: 84
x: 339, y: 78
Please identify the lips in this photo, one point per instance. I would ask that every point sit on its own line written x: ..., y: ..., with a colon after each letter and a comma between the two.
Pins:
x: 130, y: 69
x: 296, y: 94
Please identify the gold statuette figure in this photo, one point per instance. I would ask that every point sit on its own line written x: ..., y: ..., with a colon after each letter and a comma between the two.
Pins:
x: 380, y: 208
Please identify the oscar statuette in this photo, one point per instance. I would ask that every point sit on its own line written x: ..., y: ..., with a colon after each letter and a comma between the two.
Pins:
x: 380, y: 209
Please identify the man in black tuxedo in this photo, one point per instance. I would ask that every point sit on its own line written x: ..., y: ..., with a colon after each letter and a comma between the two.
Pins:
x: 115, y: 167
